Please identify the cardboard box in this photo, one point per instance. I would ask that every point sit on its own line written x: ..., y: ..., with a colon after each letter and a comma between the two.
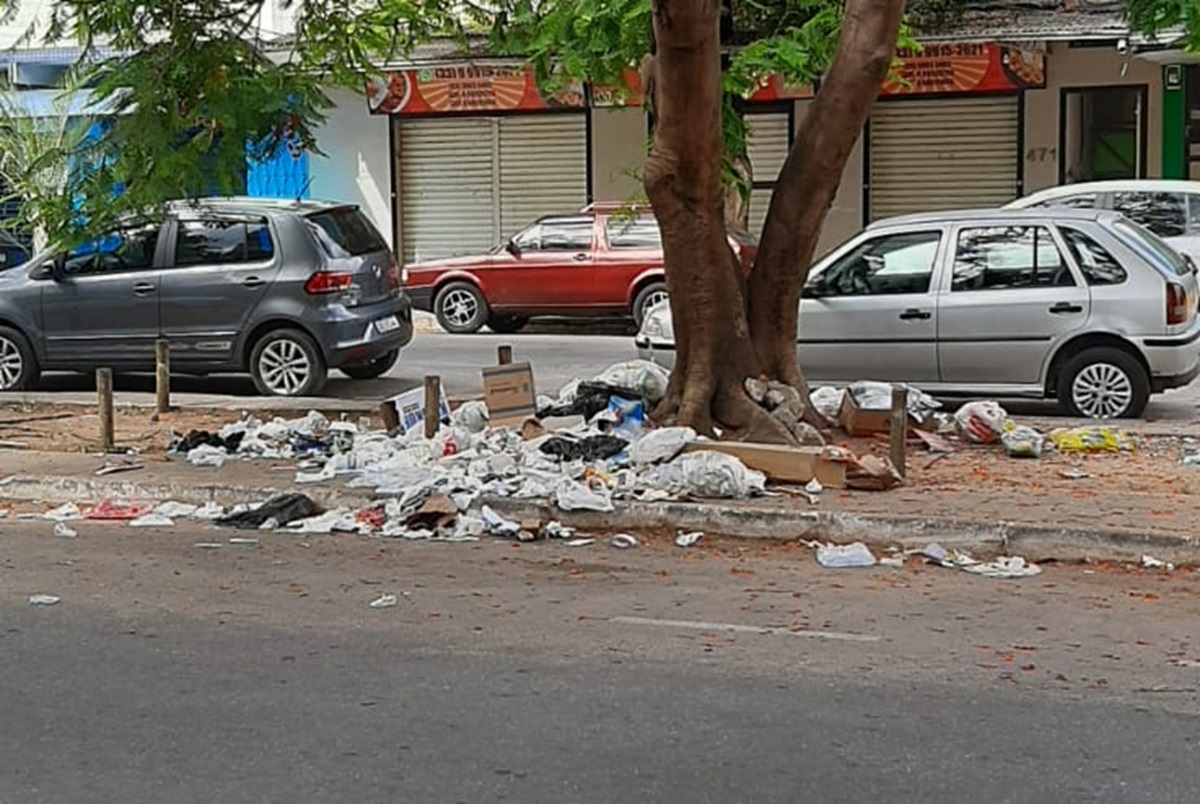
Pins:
x: 410, y: 409
x: 858, y: 421
x: 780, y: 463
x: 509, y: 394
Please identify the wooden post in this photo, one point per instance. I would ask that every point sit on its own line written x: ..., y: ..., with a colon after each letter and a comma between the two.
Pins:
x: 504, y: 354
x: 162, y: 375
x: 899, y: 428
x: 104, y: 390
x: 433, y: 412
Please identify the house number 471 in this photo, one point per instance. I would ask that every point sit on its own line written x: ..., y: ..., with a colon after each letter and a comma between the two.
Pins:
x: 1041, y: 154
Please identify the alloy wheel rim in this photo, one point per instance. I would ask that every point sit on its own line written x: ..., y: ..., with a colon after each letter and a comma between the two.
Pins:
x: 460, y: 307
x: 1102, y: 391
x: 11, y: 364
x: 284, y: 367
x: 655, y: 299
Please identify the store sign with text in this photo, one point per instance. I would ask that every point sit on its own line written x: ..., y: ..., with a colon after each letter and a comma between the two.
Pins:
x: 484, y: 88
x: 967, y: 69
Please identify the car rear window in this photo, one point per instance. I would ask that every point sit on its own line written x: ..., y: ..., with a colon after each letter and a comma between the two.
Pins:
x: 346, y: 232
x: 1152, y: 247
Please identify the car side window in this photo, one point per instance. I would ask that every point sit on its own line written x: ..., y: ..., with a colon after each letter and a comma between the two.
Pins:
x: 567, y: 235
x: 1098, y: 265
x: 1165, y: 214
x: 891, y: 264
x: 633, y: 233
x: 1008, y: 258
x: 123, y: 251
x: 223, y: 242
x: 1194, y: 213
x: 1082, y: 201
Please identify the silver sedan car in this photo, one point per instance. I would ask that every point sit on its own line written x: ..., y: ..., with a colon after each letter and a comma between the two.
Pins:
x: 1081, y: 306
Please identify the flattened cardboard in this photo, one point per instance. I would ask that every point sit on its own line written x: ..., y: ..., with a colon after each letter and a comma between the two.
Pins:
x: 509, y: 394
x: 410, y: 409
x: 780, y: 463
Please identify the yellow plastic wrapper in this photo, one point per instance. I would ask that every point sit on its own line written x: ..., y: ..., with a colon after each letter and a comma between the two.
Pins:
x: 1092, y: 439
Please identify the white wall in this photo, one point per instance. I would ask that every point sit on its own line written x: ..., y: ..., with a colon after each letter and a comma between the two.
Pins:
x: 356, y: 167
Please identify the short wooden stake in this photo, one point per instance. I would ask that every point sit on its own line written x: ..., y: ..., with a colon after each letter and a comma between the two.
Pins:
x: 433, y: 399
x: 899, y: 429
x: 389, y: 415
x: 162, y: 376
x: 504, y: 354
x: 104, y: 390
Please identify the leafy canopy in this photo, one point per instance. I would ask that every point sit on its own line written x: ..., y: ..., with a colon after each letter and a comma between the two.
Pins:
x: 199, y: 82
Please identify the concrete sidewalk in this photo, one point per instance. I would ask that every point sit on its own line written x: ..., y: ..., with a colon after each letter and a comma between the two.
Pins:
x: 996, y: 507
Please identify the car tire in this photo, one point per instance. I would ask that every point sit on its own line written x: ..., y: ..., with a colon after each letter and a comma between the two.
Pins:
x: 460, y: 308
x: 373, y: 370
x: 1103, y: 383
x: 507, y: 324
x: 18, y: 364
x: 647, y: 297
x: 287, y: 362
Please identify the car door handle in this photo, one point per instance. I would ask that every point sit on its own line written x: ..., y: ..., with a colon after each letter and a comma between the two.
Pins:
x: 142, y: 288
x: 580, y: 257
x: 1063, y: 308
x: 253, y: 282
x: 915, y: 315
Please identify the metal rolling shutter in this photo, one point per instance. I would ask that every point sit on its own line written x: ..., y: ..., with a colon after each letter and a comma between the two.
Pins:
x: 932, y: 155
x: 447, y: 176
x: 769, y: 138
x: 543, y: 168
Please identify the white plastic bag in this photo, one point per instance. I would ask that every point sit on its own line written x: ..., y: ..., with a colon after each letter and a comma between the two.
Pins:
x: 827, y: 400
x: 648, y: 379
x: 842, y: 556
x: 471, y: 416
x: 981, y: 422
x: 660, y: 445
x: 715, y: 475
x: 574, y: 496
x: 1022, y: 442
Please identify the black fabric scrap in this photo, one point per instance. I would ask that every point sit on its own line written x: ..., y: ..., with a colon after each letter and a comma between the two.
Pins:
x: 197, y: 438
x: 283, y: 509
x: 590, y: 398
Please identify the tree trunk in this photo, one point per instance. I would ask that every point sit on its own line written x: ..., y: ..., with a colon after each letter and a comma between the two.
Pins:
x: 810, y: 177
x: 725, y: 330
x: 714, y: 353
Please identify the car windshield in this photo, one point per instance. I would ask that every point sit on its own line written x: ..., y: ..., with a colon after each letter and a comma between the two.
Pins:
x: 346, y: 232
x: 1152, y: 247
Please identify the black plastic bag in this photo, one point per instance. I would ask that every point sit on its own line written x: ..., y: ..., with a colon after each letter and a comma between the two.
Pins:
x: 283, y: 509
x: 592, y: 448
x: 590, y: 398
x: 197, y: 438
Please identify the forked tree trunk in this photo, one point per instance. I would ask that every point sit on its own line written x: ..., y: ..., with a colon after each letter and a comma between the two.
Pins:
x: 726, y: 331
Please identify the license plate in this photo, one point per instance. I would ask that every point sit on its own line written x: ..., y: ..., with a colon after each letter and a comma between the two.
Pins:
x: 386, y: 325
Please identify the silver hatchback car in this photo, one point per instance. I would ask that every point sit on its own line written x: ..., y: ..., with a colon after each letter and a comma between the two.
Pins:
x: 1085, y: 307
x: 284, y: 290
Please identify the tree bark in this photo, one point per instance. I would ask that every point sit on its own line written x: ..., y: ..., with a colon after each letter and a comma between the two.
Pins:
x: 810, y: 177
x: 728, y: 330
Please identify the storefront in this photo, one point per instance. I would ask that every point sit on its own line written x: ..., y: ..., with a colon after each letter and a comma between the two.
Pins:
x: 947, y: 131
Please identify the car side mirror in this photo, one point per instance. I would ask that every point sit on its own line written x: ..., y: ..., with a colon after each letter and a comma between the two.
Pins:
x: 512, y: 248
x: 58, y: 269
x: 814, y: 289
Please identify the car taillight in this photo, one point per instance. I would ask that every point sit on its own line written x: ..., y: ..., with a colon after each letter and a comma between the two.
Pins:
x: 328, y: 282
x: 395, y: 277
x: 1177, y: 306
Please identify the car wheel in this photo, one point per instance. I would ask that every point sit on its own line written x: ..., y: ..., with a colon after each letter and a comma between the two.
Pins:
x: 652, y: 294
x: 18, y: 364
x: 287, y: 362
x: 1104, y: 383
x: 460, y: 308
x: 373, y: 370
x: 507, y: 324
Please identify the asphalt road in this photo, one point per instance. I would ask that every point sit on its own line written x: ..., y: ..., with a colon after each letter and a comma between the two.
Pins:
x: 543, y: 673
x: 558, y: 353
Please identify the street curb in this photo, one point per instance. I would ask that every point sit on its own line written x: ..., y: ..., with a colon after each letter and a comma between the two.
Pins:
x: 736, y: 520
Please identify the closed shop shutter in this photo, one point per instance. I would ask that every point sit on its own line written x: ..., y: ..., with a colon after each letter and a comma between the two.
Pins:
x: 467, y: 182
x: 769, y: 138
x: 932, y: 155
x: 543, y: 168
x: 447, y: 175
